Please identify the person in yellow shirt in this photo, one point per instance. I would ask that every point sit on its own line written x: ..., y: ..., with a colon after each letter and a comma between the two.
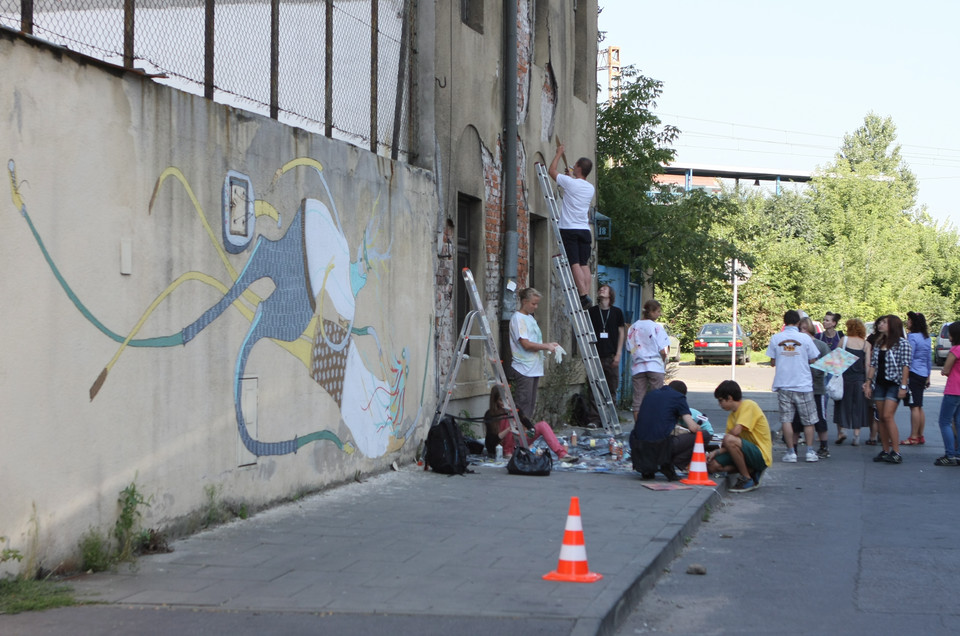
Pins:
x: 746, y: 448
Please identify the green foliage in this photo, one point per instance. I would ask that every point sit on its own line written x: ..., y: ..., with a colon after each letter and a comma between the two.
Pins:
x: 216, y: 511
x: 552, y: 403
x: 96, y: 554
x: 27, y: 595
x: 127, y: 529
x: 9, y: 554
x: 851, y: 242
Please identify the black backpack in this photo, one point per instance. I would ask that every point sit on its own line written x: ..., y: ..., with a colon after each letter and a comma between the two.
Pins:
x: 446, y: 451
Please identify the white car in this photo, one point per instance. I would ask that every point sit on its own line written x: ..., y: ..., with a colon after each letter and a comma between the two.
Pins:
x: 942, y: 346
x: 673, y: 353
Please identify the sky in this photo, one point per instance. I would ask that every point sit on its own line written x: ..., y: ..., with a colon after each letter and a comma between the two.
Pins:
x: 776, y: 85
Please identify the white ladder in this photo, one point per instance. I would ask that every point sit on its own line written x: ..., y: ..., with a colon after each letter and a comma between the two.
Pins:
x: 579, y: 318
x: 494, y: 363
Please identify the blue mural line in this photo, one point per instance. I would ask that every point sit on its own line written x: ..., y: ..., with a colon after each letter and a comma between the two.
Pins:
x: 161, y: 341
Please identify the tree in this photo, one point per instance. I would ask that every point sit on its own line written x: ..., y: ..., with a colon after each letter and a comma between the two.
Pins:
x: 665, y: 236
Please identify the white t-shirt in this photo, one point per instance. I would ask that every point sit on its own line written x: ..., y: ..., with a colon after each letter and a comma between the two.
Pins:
x: 645, y: 340
x: 577, y: 195
x: 527, y: 363
x: 792, y: 352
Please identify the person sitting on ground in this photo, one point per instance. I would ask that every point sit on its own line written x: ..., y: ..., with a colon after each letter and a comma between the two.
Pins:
x: 702, y: 421
x: 653, y: 445
x: 499, y: 427
x: 746, y: 448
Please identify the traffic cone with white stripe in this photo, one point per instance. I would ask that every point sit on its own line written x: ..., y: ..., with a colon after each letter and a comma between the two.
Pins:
x: 698, y: 466
x: 573, y: 566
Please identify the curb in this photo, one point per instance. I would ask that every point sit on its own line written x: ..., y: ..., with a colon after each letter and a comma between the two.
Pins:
x: 667, y: 546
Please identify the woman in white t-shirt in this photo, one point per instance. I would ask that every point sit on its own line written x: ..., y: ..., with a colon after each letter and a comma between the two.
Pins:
x: 648, y: 343
x: 527, y: 347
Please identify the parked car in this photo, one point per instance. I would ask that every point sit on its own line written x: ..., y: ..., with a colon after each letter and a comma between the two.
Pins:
x: 674, y: 352
x: 942, y: 347
x: 715, y: 340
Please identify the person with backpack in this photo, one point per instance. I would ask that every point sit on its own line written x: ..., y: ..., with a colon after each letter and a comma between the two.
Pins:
x: 499, y: 429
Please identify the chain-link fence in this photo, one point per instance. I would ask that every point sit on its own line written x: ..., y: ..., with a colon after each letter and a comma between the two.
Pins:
x: 336, y: 67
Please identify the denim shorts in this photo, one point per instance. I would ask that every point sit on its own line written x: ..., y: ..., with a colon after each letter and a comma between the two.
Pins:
x: 886, y: 392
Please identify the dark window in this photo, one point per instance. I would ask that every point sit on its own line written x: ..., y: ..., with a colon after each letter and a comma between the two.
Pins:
x: 471, y: 14
x: 468, y: 212
x: 584, y: 65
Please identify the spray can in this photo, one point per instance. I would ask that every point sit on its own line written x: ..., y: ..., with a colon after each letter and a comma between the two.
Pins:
x: 499, y: 452
x: 612, y: 446
x: 573, y: 439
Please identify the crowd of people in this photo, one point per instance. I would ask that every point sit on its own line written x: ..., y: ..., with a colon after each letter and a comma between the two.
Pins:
x: 882, y: 369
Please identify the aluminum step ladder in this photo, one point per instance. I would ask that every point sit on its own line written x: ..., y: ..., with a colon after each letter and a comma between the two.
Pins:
x: 579, y: 318
x: 493, y: 369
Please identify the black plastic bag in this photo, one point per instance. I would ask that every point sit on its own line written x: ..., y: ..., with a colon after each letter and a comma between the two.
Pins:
x: 526, y: 462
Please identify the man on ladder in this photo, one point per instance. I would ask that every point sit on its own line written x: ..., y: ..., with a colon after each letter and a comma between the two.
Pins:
x: 575, y: 220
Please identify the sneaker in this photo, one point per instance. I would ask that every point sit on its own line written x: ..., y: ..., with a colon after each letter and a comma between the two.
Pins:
x: 569, y: 459
x: 945, y: 461
x: 756, y: 475
x: 586, y: 302
x: 823, y: 453
x: 881, y: 457
x: 812, y: 456
x: 893, y: 458
x: 790, y: 457
x: 744, y: 485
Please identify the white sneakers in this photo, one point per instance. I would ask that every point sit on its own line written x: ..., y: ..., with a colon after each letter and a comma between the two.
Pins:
x: 791, y: 457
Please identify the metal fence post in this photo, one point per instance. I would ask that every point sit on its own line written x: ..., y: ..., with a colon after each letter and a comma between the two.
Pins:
x: 374, y: 70
x: 26, y: 16
x: 128, y: 32
x: 208, y: 32
x: 274, y: 59
x: 328, y: 73
x: 401, y: 71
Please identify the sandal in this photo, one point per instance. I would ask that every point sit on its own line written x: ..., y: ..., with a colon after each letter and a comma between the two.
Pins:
x: 840, y: 439
x: 871, y: 442
x: 910, y: 441
x: 920, y: 440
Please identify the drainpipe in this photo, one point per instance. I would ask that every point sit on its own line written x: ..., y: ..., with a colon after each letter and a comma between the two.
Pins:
x: 509, y: 180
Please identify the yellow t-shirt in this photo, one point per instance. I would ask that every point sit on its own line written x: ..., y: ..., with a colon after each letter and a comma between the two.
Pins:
x: 755, y: 427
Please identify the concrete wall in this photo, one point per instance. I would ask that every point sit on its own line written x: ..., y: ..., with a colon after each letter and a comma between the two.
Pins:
x: 198, y: 300
x: 556, y: 102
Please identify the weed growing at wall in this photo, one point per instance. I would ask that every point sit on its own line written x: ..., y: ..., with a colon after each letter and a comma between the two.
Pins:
x: 96, y: 554
x: 127, y: 530
x: 552, y: 403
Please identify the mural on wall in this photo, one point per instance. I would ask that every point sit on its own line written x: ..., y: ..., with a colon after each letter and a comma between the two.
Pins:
x: 311, y: 312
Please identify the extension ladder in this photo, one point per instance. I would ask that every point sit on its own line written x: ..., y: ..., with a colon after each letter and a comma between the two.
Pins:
x: 579, y: 318
x: 494, y: 363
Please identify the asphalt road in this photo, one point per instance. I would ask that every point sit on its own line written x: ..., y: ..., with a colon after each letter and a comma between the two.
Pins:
x: 844, y: 546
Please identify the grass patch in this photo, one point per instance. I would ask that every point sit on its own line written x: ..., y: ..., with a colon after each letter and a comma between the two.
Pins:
x: 20, y: 595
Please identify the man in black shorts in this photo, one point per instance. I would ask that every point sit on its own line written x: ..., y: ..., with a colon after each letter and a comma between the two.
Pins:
x: 575, y: 220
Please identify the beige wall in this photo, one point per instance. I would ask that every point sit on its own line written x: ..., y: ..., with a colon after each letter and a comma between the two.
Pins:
x: 556, y: 102
x: 123, y: 182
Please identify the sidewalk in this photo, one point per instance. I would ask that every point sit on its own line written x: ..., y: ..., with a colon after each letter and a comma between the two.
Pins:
x: 408, y: 552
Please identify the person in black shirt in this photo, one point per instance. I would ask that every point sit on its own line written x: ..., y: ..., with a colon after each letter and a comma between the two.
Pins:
x: 611, y: 331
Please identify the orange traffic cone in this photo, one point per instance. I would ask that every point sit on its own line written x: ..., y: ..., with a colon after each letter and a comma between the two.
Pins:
x: 698, y: 466
x: 572, y: 566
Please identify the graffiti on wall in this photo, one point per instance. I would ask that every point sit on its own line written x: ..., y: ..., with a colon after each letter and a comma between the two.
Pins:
x: 311, y: 311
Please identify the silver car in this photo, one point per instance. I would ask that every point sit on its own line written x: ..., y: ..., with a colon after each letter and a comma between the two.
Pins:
x: 942, y: 348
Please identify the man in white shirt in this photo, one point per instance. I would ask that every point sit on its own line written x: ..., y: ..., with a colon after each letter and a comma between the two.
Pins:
x: 791, y: 352
x: 575, y: 220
